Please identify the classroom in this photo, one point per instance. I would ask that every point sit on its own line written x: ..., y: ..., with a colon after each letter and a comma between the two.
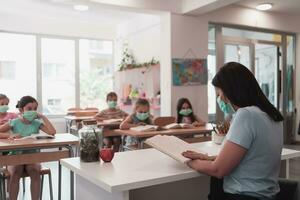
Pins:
x: 149, y: 99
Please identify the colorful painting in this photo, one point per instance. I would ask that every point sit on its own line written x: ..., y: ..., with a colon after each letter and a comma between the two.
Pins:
x: 189, y: 72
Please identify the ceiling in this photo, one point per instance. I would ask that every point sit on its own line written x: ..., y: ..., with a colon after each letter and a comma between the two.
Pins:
x: 290, y: 7
x: 63, y: 10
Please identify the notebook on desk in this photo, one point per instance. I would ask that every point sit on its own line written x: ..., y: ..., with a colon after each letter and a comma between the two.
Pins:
x: 144, y: 128
x: 178, y: 125
x: 174, y: 147
x: 37, y: 136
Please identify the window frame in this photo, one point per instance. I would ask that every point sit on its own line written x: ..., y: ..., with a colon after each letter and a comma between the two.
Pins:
x: 39, y: 36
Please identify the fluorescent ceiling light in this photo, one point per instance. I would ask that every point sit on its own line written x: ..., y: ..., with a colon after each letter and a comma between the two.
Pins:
x: 264, y: 6
x: 80, y: 7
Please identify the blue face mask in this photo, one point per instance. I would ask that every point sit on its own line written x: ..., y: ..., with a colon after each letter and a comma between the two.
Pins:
x: 142, y: 116
x: 225, y: 107
x: 30, y: 115
x: 185, y: 112
x: 3, y: 108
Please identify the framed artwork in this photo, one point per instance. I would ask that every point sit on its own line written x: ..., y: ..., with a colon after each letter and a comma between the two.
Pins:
x: 189, y: 71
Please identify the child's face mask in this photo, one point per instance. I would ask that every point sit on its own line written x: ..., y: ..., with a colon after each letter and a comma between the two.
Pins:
x: 142, y: 116
x: 4, y: 108
x: 112, y: 104
x: 185, y: 112
x: 30, y: 115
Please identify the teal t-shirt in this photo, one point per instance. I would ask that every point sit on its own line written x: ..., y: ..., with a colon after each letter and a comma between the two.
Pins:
x: 257, y: 173
x: 17, y: 126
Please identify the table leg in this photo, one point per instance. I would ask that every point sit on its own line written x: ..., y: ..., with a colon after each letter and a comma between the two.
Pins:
x: 287, y: 168
x: 70, y: 148
x: 59, y: 178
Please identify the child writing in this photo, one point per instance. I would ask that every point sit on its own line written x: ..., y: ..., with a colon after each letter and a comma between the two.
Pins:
x: 28, y: 123
x: 140, y: 117
x: 185, y: 113
x: 4, y: 115
x: 112, y: 112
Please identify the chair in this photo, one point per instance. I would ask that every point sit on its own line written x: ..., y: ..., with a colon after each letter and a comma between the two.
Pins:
x: 289, y: 189
x: 163, y: 121
x: 91, y: 108
x: 44, y: 171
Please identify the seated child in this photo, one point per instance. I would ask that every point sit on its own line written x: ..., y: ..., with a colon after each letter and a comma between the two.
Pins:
x: 185, y: 113
x: 4, y: 115
x: 112, y: 112
x: 141, y: 116
x: 28, y: 123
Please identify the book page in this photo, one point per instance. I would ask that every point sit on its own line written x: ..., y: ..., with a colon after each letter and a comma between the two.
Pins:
x: 112, y: 120
x: 172, y: 126
x: 144, y: 128
x: 36, y: 136
x: 172, y: 146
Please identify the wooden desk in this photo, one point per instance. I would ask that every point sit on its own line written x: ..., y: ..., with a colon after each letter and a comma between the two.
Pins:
x: 79, y: 113
x: 144, y: 174
x: 176, y: 132
x: 60, y: 141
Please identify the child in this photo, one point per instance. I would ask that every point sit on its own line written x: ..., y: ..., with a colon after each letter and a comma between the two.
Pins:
x: 141, y: 116
x: 185, y: 113
x: 28, y: 123
x: 112, y: 112
x: 4, y: 115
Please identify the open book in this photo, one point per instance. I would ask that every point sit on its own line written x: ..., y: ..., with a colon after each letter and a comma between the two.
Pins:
x: 112, y: 120
x: 176, y: 126
x: 173, y: 147
x: 144, y: 128
x: 37, y: 136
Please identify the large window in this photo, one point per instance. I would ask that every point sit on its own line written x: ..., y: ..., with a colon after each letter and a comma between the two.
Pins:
x: 96, y: 72
x: 17, y: 66
x: 60, y: 72
x: 58, y: 75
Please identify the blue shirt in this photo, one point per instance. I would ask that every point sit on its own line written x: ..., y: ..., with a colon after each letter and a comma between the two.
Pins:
x: 23, y: 129
x: 257, y: 173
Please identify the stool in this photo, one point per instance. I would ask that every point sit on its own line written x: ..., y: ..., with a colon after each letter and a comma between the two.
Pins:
x: 43, y: 171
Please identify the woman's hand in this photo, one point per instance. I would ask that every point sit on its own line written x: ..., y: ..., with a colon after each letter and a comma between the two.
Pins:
x: 195, y: 155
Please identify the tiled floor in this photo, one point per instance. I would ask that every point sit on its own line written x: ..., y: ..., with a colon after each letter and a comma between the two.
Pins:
x: 294, y: 174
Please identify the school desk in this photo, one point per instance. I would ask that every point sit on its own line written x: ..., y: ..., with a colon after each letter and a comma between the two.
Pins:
x: 62, y: 147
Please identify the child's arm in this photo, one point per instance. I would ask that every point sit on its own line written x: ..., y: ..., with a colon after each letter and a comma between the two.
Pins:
x: 198, y: 121
x: 4, y: 128
x: 127, y: 123
x: 99, y: 116
x: 47, y: 126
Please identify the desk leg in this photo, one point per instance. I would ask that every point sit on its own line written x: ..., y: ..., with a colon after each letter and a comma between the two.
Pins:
x: 59, y: 178
x: 71, y: 174
x: 287, y: 168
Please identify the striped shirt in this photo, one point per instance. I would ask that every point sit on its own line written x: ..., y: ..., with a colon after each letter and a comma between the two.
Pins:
x: 112, y: 114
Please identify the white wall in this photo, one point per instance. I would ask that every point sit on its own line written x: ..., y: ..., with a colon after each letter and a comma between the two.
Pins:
x: 142, y: 35
x: 190, y: 33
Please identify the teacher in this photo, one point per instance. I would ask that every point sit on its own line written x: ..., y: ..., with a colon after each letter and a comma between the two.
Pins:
x: 249, y: 161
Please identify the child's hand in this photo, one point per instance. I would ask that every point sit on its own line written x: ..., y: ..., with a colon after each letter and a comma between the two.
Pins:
x: 141, y: 124
x: 197, y: 124
x: 14, y: 136
x: 223, y: 127
x: 39, y: 115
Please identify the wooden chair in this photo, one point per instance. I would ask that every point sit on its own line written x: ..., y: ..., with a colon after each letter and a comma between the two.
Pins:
x: 44, y: 171
x: 91, y: 108
x: 163, y: 121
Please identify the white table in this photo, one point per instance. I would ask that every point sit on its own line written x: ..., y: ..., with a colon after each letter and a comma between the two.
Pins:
x: 143, y: 174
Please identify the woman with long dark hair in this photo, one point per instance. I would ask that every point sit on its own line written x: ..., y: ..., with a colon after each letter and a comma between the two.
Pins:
x: 248, y: 164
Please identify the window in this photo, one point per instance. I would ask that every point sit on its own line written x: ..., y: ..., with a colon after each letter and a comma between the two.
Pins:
x: 17, y: 66
x: 52, y: 78
x: 96, y: 72
x: 7, y: 70
x: 58, y: 75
